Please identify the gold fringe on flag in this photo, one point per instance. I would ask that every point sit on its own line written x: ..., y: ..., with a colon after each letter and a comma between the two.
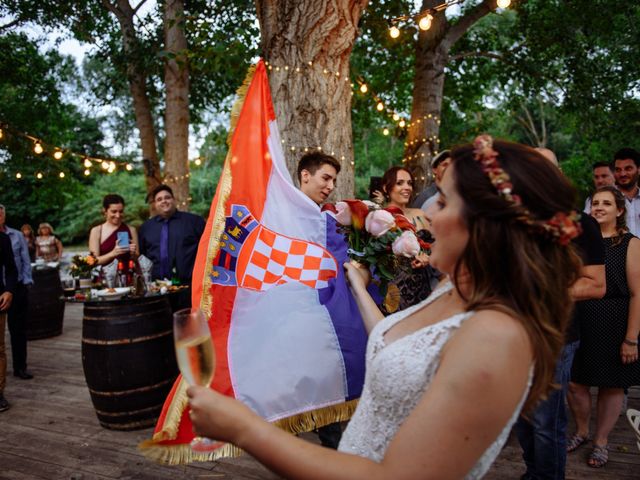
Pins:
x: 303, y: 422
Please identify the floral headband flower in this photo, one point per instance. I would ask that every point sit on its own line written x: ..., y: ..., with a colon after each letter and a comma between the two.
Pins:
x: 561, y: 228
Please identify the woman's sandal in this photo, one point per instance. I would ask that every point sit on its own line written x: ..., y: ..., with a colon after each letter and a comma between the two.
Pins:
x: 575, y: 441
x: 598, y: 457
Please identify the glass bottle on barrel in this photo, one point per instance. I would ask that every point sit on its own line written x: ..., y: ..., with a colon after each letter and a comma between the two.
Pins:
x: 121, y: 275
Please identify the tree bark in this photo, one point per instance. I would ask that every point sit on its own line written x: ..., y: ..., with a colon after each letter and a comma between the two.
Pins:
x: 138, y: 86
x: 308, y: 46
x: 176, y: 80
x: 432, y: 56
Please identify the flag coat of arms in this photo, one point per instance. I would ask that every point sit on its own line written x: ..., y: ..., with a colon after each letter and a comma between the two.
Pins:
x: 288, y: 336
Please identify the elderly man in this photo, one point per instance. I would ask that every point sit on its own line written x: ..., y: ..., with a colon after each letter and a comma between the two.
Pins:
x: 17, y: 315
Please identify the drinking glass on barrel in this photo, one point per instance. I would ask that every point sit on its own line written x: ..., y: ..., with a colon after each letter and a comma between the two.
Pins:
x: 196, y: 357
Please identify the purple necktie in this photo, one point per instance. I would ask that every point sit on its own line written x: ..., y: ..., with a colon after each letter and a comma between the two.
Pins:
x: 164, y: 250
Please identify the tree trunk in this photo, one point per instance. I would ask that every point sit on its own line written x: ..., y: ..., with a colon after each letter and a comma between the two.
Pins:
x: 137, y: 85
x: 307, y: 46
x: 432, y: 56
x: 428, y: 86
x: 176, y: 80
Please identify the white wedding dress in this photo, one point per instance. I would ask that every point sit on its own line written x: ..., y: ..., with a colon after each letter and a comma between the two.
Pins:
x: 397, y: 376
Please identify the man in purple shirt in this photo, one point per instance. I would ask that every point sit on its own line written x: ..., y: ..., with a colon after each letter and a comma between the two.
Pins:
x: 170, y: 239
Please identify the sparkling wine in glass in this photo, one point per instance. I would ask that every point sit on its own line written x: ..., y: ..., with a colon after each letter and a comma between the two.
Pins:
x: 196, y: 357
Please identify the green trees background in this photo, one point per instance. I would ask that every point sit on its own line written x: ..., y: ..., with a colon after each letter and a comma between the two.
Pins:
x: 563, y: 74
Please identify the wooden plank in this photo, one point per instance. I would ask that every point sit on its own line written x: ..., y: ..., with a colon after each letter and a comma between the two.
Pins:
x: 52, y: 431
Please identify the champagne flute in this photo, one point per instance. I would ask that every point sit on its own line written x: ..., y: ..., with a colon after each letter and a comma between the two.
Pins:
x: 196, y: 357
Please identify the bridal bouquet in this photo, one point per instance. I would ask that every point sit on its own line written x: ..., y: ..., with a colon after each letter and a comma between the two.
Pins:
x: 377, y: 236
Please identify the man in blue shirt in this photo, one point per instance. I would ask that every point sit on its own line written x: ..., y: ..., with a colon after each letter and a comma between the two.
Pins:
x: 17, y: 316
x: 170, y: 239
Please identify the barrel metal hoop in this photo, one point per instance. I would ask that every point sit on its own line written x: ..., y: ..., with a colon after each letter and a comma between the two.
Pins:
x: 133, y: 390
x: 130, y: 412
x: 127, y: 341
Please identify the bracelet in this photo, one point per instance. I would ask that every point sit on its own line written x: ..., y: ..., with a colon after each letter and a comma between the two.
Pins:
x: 631, y: 343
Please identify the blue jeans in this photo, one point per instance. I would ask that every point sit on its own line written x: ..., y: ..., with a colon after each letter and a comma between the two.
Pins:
x: 544, y: 437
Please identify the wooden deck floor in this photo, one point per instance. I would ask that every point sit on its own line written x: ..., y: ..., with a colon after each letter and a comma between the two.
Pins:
x: 51, y: 431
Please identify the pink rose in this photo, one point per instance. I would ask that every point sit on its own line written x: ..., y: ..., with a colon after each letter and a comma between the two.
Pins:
x: 343, y: 214
x: 379, y: 222
x: 406, y: 245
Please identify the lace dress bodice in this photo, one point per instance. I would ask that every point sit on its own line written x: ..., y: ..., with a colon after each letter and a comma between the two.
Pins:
x: 397, y: 375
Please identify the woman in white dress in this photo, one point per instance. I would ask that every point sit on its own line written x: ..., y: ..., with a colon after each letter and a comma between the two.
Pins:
x: 447, y: 378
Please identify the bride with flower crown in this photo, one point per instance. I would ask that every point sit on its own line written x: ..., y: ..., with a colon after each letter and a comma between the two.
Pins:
x: 447, y: 377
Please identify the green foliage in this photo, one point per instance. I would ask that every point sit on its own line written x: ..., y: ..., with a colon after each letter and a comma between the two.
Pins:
x: 84, y: 210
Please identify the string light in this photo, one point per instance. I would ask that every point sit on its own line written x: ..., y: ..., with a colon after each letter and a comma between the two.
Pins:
x: 105, y: 165
x: 402, y: 123
x: 425, y: 17
x: 197, y: 161
x: 57, y: 154
x: 396, y: 117
x: 39, y: 176
x: 1, y: 134
x: 364, y: 88
x: 385, y: 132
x: 87, y: 163
x: 87, y: 172
x: 61, y: 175
x: 128, y: 167
x: 37, y: 148
x: 425, y: 22
x: 380, y: 106
x: 18, y: 175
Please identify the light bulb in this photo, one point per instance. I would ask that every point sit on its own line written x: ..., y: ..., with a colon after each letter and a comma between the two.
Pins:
x: 37, y: 148
x: 87, y: 163
x: 394, y: 32
x: 61, y: 174
x: 129, y: 167
x: 198, y: 162
x: 18, y: 175
x: 57, y: 154
x: 396, y: 117
x: 1, y: 133
x: 504, y: 3
x: 385, y: 131
x: 39, y: 176
x: 380, y: 106
x: 105, y: 165
x: 425, y: 22
x: 87, y: 172
x: 402, y: 124
x: 364, y: 88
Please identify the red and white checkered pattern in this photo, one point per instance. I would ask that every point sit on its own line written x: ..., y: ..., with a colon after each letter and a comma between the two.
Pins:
x: 276, y: 259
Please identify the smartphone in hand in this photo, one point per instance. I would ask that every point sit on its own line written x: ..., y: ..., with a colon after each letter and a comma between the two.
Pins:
x: 123, y: 239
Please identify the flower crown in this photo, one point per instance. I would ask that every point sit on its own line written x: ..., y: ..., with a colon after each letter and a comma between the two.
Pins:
x: 561, y: 228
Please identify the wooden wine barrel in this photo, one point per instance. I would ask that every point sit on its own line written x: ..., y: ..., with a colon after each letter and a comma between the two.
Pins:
x: 45, y: 312
x: 128, y: 359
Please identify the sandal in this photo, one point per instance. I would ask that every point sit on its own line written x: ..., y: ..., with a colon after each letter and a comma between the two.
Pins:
x: 598, y: 457
x: 575, y: 441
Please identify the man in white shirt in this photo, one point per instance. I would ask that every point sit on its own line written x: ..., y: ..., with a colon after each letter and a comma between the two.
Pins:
x: 626, y: 162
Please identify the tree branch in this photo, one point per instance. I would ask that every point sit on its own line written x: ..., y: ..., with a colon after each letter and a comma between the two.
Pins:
x: 460, y: 56
x: 135, y: 9
x: 13, y: 23
x: 466, y: 22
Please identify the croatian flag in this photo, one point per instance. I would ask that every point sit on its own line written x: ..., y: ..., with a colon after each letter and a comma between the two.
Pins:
x: 288, y: 336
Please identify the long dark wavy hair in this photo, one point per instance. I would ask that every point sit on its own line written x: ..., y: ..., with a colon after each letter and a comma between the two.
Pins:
x: 390, y: 178
x: 512, y: 268
x: 621, y: 220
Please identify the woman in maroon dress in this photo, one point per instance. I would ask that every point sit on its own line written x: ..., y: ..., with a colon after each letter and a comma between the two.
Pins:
x: 103, y: 239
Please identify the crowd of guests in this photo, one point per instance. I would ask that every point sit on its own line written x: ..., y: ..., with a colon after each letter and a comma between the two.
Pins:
x: 169, y: 239
x: 533, y: 303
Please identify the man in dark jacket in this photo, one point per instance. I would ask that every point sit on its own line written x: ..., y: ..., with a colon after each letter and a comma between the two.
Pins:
x: 8, y: 282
